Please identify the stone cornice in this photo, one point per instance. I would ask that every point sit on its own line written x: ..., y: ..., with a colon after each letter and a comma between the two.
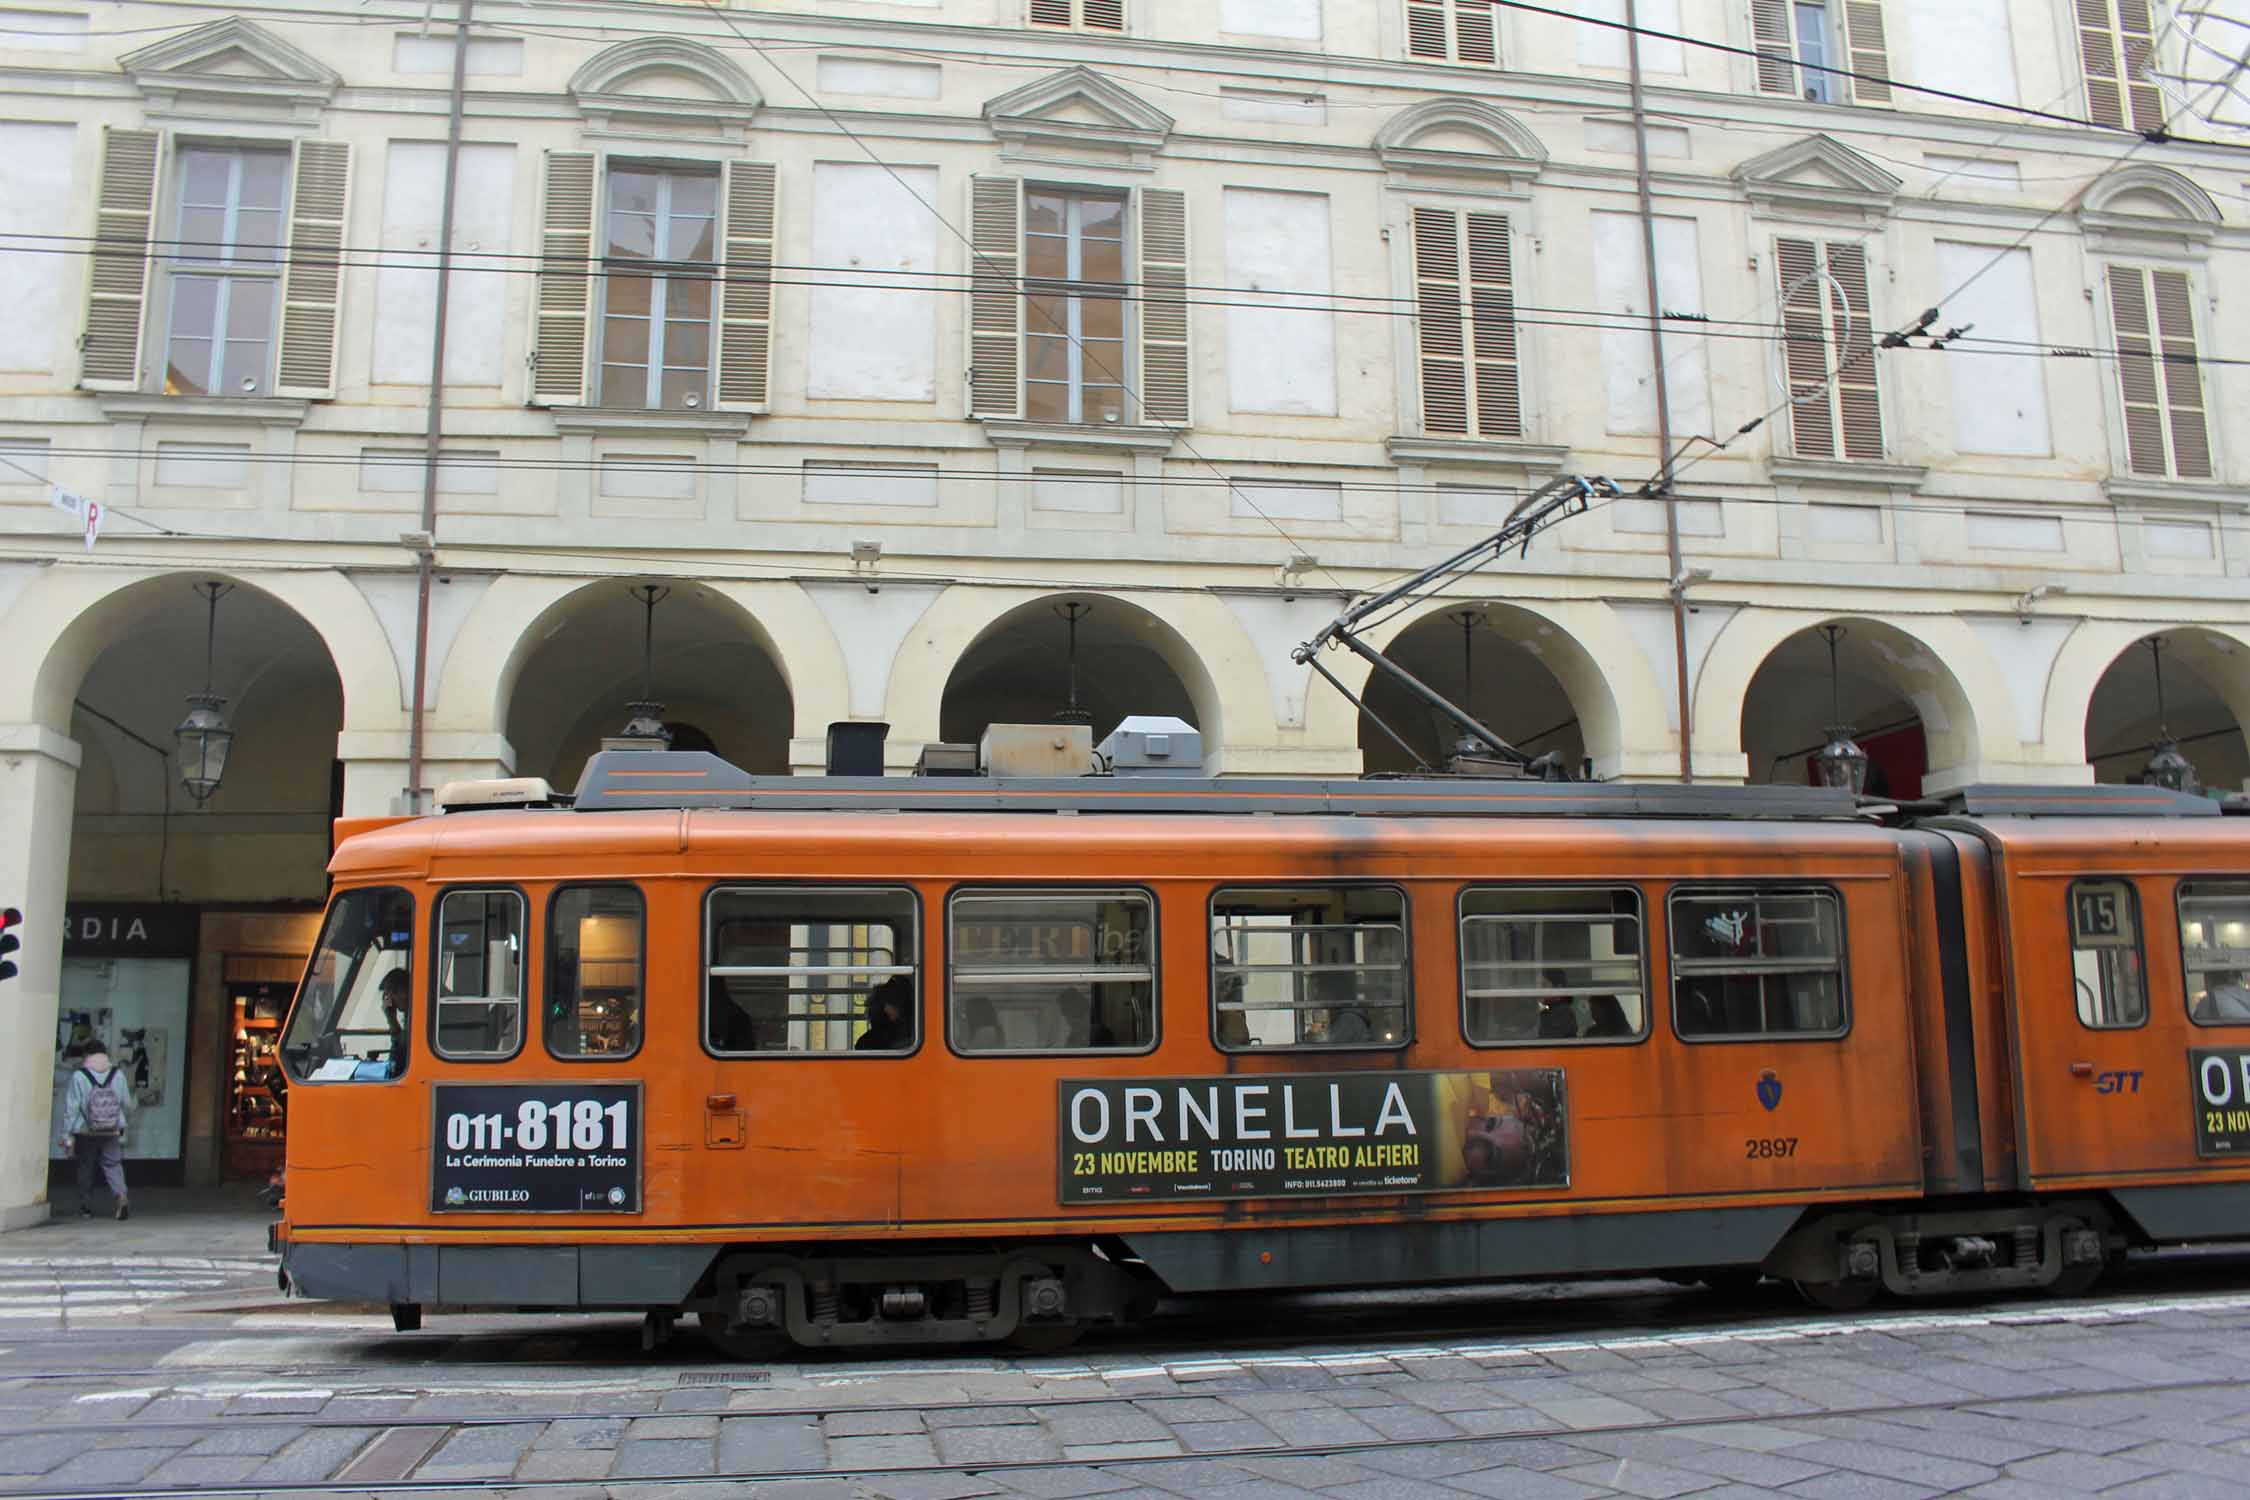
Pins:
x: 230, y: 67
x: 1004, y: 433
x: 2139, y: 493
x: 1509, y: 161
x: 1817, y: 177
x: 1539, y: 458
x: 1047, y: 116
x: 1830, y: 473
x: 626, y: 421
x: 608, y: 92
x: 216, y: 411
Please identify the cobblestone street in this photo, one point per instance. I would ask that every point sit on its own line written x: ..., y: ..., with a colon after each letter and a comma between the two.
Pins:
x: 183, y: 1374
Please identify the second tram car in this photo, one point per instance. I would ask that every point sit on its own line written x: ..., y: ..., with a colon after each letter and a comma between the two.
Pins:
x: 881, y: 1061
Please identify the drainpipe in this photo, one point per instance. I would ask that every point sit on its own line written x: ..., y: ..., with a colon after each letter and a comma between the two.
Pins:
x: 1672, y: 562
x: 425, y: 559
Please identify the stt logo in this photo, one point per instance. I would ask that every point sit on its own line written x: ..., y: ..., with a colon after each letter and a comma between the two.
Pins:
x: 1769, y: 1090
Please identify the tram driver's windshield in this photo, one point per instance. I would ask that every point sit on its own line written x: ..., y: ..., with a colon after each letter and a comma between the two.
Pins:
x: 353, y: 1017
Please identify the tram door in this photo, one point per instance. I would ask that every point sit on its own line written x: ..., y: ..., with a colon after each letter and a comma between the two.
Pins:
x: 2115, y: 975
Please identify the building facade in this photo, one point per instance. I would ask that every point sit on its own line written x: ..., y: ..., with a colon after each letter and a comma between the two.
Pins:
x: 978, y: 360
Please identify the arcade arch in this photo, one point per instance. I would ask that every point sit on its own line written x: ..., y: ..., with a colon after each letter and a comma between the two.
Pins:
x: 715, y: 669
x: 1791, y: 705
x: 1517, y: 674
x: 101, y: 828
x: 264, y: 836
x: 1766, y: 683
x: 2206, y: 702
x: 1018, y: 669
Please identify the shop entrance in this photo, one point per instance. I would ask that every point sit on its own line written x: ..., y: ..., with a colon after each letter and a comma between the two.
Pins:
x: 257, y: 987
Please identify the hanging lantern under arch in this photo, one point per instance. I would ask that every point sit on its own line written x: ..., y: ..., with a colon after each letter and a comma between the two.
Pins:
x: 204, y: 737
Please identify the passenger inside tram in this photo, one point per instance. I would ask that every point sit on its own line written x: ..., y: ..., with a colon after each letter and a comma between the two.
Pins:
x: 890, y: 1026
x: 397, y: 1004
x: 978, y: 1029
x: 1606, y: 1017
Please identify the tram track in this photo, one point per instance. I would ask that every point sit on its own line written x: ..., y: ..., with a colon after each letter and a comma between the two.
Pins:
x: 1495, y: 1442
x: 1184, y: 1336
x: 1339, y: 1359
x: 812, y: 1365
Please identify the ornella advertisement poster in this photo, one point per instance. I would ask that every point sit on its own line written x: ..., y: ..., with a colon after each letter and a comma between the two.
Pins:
x: 1310, y: 1135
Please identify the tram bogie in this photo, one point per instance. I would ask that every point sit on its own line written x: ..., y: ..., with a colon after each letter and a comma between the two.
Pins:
x: 976, y: 1072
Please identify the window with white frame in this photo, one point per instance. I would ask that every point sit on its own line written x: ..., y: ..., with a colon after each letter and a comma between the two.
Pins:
x: 1828, y: 53
x: 1079, y: 15
x: 1074, y: 309
x: 660, y: 267
x: 225, y: 266
x: 2159, y: 377
x: 1462, y: 31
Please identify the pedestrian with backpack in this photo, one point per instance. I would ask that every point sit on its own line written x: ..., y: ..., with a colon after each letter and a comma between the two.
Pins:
x: 96, y: 1108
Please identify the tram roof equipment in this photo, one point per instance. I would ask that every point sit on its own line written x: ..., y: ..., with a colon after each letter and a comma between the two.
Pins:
x: 640, y: 779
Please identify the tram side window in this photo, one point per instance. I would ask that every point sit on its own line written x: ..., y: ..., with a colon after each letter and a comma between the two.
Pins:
x: 1552, y: 965
x: 479, y: 974
x: 596, y: 980
x: 1757, y: 961
x: 2215, y: 950
x: 824, y: 972
x: 1309, y: 966
x: 2106, y: 968
x: 353, y: 1016
x: 1051, y: 971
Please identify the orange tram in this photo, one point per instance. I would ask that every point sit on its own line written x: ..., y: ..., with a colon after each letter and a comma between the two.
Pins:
x: 869, y: 1061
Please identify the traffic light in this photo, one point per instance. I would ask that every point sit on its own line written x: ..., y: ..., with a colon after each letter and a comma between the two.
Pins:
x: 10, y: 920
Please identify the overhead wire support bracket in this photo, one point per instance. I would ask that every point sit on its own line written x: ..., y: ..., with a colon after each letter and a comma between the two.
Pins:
x: 1552, y: 503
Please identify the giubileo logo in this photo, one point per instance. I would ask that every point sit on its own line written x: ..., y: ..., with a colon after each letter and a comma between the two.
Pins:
x: 1769, y: 1090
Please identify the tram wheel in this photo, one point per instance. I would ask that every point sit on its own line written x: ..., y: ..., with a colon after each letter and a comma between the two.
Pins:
x: 1840, y: 1296
x: 2074, y: 1280
x: 745, y: 1345
x: 1044, y: 1338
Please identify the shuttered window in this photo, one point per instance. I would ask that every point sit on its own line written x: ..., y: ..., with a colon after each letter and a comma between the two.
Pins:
x: 312, y: 287
x: 1797, y: 41
x: 1465, y: 317
x: 1828, y: 347
x: 251, y: 263
x: 1452, y: 31
x: 671, y: 307
x: 117, y: 288
x: 2160, y: 383
x: 1079, y: 15
x: 566, y: 280
x: 2115, y: 41
x: 1165, y: 378
x: 1051, y: 292
x: 995, y: 297
x: 746, y: 294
